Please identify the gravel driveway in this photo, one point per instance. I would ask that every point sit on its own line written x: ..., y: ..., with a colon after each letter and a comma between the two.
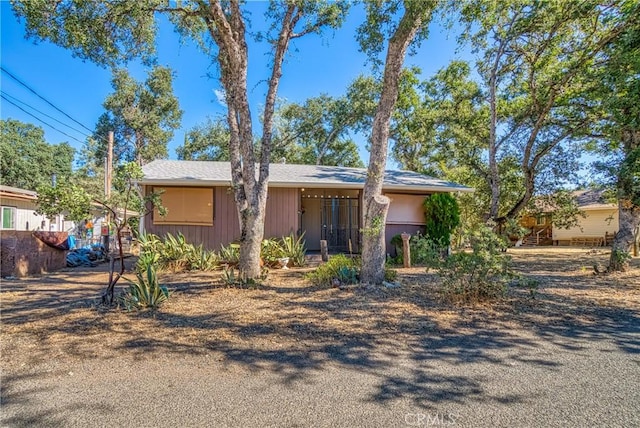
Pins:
x: 487, y: 379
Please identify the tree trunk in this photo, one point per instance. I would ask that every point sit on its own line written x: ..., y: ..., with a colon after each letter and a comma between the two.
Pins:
x: 227, y: 28
x: 376, y: 205
x: 629, y: 221
x: 494, y: 175
x: 628, y: 208
x: 252, y: 232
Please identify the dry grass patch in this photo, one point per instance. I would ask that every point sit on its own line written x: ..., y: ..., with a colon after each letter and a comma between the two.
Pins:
x: 58, y: 316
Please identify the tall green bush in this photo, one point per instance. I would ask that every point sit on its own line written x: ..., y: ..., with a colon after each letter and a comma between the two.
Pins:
x: 442, y: 217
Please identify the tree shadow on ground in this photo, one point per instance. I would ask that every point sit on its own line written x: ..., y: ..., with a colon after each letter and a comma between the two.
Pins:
x: 14, y: 393
x: 396, y: 336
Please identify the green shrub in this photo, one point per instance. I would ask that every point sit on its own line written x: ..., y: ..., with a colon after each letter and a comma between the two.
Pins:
x: 390, y: 275
x: 146, y: 292
x: 532, y: 284
x: 479, y: 275
x: 442, y: 217
x: 424, y: 250
x: 271, y: 251
x: 339, y: 267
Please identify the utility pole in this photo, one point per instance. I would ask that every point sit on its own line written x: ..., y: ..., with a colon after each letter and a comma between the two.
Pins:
x: 109, y: 169
x: 108, y: 176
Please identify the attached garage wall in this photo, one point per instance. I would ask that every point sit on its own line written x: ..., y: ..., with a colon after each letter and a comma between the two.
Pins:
x: 281, y: 219
x: 596, y: 224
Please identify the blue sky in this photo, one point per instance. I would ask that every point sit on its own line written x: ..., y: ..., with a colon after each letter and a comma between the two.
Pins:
x: 314, y: 65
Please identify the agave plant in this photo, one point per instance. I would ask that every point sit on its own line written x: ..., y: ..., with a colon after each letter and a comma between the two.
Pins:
x: 271, y: 251
x: 146, y: 292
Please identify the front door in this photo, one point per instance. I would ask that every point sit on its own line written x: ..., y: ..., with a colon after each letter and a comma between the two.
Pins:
x: 340, y: 224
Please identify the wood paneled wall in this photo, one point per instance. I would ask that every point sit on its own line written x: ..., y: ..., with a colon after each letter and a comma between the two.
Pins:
x: 282, y: 218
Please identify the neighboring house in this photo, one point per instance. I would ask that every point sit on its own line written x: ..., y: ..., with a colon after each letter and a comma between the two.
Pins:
x: 323, y: 202
x: 596, y: 228
x: 18, y: 212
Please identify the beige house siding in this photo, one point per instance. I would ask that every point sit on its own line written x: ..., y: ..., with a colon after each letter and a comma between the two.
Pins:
x: 596, y: 224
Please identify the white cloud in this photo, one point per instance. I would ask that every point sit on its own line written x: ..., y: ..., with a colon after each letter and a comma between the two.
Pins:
x: 221, y: 97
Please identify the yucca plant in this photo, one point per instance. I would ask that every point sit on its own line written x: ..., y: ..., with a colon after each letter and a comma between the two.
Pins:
x: 230, y: 254
x: 150, y: 243
x: 146, y: 292
x: 202, y: 259
x: 146, y: 259
x: 294, y: 248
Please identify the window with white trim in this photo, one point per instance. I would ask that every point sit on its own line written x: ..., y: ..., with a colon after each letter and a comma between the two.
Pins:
x: 8, y: 219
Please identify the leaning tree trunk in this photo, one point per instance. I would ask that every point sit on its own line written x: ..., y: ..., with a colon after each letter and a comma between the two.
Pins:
x: 376, y: 205
x: 628, y: 208
x: 629, y: 221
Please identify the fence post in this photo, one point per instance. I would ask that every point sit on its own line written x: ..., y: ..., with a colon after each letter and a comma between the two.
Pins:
x: 324, y: 251
x: 406, y: 250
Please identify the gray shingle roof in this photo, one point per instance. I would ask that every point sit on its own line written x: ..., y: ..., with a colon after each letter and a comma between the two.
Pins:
x: 204, y: 173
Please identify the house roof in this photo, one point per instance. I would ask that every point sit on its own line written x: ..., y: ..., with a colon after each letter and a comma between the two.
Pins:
x: 587, y: 200
x: 206, y: 173
x: 593, y: 199
x: 9, y: 192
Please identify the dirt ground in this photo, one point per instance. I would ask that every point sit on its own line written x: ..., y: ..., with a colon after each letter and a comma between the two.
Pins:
x: 58, y: 316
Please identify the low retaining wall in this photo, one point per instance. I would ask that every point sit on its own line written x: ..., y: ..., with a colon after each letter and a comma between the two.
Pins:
x: 23, y: 255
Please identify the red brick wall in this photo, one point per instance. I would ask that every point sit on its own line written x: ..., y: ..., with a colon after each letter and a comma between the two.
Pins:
x: 22, y: 254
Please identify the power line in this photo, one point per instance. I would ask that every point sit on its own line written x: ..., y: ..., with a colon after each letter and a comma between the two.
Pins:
x: 40, y: 120
x: 43, y: 113
x: 42, y: 98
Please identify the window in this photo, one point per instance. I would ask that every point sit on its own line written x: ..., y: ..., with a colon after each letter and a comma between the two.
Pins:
x: 8, y: 217
x: 185, y: 205
x: 541, y: 219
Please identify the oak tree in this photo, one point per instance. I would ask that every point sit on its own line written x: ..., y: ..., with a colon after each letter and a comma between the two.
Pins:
x: 111, y: 33
x: 403, y: 23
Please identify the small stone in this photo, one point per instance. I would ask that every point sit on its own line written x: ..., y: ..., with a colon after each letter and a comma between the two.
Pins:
x: 390, y: 284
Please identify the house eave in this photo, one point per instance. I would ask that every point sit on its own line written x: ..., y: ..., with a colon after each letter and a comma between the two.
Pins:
x: 301, y: 184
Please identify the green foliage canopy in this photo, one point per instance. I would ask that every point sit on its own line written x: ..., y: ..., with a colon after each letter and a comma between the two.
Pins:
x: 208, y: 141
x: 143, y: 117
x: 27, y: 161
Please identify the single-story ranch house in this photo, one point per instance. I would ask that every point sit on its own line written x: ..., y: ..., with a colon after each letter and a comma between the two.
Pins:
x: 598, y: 226
x: 323, y: 202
